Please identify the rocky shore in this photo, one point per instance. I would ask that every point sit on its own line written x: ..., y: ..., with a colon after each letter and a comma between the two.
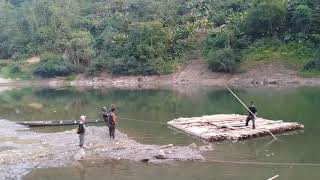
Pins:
x: 23, y: 150
x: 196, y: 73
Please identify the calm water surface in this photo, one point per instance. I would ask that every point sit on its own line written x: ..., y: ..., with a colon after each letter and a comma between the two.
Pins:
x: 298, y: 104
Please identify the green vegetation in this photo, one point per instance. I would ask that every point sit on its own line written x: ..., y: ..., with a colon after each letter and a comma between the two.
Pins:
x: 117, y: 36
x: 273, y: 30
x: 52, y: 65
x: 223, y: 60
x: 313, y: 65
x: 145, y: 37
x: 15, y: 70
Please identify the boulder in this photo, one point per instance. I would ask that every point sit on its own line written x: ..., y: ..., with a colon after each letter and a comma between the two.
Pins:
x: 80, y: 155
x: 166, y: 146
x: 193, y: 146
x: 161, y: 155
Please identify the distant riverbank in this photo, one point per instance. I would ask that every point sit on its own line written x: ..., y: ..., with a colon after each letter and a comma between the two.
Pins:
x: 195, y: 73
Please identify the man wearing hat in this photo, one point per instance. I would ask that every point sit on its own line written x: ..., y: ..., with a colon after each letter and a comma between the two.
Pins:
x: 82, y: 130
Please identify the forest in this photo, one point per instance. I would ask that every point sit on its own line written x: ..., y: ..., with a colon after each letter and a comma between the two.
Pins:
x: 152, y: 37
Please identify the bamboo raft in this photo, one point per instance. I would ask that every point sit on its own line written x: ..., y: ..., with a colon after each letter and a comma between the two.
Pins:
x: 56, y: 122
x: 230, y: 127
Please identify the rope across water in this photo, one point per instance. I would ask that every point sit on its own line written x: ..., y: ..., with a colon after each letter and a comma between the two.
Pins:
x: 233, y: 162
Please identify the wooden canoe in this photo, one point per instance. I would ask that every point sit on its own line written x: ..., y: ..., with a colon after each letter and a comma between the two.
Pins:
x: 56, y: 122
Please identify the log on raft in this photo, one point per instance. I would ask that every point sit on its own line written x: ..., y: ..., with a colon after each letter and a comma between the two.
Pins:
x: 231, y: 127
x: 56, y: 122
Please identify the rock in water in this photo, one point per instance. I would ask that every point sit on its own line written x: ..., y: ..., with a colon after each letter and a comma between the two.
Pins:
x: 161, y: 155
x: 206, y: 148
x: 166, y: 146
x: 80, y: 155
x: 193, y: 146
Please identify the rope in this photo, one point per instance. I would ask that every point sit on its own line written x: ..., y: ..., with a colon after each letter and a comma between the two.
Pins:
x: 140, y: 120
x: 234, y: 162
x: 130, y: 119
x: 263, y: 163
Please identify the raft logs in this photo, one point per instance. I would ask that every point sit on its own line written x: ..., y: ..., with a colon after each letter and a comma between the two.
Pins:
x: 230, y: 127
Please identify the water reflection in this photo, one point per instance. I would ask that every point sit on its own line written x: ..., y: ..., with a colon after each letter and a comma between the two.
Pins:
x: 301, y: 105
x: 177, y: 171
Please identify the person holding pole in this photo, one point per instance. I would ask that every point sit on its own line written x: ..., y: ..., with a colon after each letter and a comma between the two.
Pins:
x: 252, y: 112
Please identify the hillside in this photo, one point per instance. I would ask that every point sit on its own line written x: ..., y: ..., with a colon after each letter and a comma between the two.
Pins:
x: 156, y: 37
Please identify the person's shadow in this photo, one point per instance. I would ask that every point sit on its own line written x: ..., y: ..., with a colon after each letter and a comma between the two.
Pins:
x: 82, y: 170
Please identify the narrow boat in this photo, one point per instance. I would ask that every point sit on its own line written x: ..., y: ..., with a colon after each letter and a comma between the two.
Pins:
x: 56, y: 122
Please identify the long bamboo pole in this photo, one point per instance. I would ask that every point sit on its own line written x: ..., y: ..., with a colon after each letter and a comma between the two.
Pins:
x: 241, y: 101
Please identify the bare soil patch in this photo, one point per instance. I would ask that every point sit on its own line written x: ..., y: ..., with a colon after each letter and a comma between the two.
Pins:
x: 33, y: 60
x: 196, y: 73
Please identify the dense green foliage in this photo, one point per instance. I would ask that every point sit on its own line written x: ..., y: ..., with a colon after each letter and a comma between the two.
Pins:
x: 223, y: 60
x: 14, y: 68
x: 152, y: 36
x: 313, y: 65
x: 119, y: 36
x: 267, y: 29
x: 52, y: 65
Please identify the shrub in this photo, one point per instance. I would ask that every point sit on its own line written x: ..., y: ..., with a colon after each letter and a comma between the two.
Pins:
x: 14, y: 68
x: 313, y: 65
x: 52, y: 65
x: 98, y: 65
x: 126, y: 66
x: 223, y: 60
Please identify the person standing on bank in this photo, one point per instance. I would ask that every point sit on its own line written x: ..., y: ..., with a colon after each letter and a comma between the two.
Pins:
x: 82, y: 130
x: 252, y: 115
x: 112, y: 121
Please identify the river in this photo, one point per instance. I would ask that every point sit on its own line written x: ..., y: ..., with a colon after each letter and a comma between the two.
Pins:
x: 143, y: 113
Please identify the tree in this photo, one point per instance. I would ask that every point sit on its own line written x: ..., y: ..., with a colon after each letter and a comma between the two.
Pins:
x: 301, y: 18
x: 223, y: 60
x: 52, y: 65
x: 265, y: 18
x: 79, y: 50
x: 145, y: 49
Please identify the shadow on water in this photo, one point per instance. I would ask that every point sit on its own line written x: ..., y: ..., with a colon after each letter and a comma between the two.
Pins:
x: 300, y: 105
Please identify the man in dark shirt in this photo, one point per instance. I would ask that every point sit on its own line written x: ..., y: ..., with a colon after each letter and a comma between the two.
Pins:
x: 252, y: 115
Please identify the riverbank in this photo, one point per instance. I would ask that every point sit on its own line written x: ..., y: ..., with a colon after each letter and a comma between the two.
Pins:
x: 196, y: 73
x: 23, y: 150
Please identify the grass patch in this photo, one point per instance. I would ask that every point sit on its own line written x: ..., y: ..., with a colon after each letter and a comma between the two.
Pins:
x: 71, y: 77
x: 293, y: 54
x: 15, y: 70
x: 309, y: 74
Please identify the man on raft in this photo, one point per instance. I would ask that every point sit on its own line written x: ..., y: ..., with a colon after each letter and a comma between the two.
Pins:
x: 252, y: 115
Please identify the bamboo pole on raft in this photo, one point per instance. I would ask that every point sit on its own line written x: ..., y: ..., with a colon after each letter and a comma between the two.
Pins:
x: 249, y: 111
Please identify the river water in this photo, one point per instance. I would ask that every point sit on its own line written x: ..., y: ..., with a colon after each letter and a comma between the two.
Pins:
x: 143, y: 113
